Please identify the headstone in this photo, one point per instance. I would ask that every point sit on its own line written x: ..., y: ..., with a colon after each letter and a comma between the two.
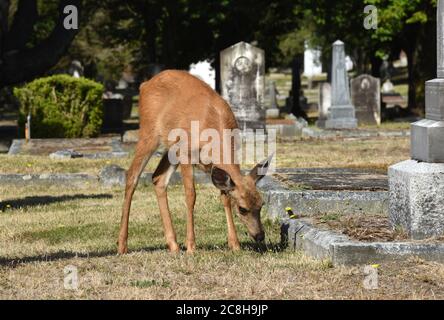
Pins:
x: 366, y: 97
x: 65, y: 154
x: 76, y: 69
x: 112, y: 175
x: 243, y: 83
x: 416, y: 186
x: 324, y: 103
x: 341, y: 113
x: 312, y: 65
x: 272, y: 110
x: 388, y: 87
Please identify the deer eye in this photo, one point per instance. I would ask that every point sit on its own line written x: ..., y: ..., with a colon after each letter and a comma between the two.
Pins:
x: 242, y: 210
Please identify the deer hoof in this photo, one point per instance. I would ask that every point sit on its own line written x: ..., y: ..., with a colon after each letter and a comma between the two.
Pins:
x: 174, y: 248
x: 191, y: 248
x: 123, y: 249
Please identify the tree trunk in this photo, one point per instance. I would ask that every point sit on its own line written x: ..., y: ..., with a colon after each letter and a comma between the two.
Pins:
x: 296, y: 89
x: 411, y: 58
x: 23, y: 65
x: 376, y: 64
x: 4, y: 12
x: 217, y: 71
x: 23, y: 25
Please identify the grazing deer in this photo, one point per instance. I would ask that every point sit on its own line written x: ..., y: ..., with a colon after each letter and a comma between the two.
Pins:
x: 173, y: 99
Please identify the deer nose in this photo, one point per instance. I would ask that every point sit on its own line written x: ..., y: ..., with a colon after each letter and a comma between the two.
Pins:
x: 260, y: 237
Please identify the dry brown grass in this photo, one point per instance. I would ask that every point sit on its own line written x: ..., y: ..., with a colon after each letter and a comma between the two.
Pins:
x: 42, y: 230
x: 365, y: 227
x: 377, y: 153
x: 371, y: 153
x: 362, y: 227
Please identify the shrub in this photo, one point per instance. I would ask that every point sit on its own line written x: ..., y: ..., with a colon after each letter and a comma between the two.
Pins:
x: 61, y: 106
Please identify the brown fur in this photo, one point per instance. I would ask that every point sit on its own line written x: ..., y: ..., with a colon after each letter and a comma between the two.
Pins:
x: 171, y: 100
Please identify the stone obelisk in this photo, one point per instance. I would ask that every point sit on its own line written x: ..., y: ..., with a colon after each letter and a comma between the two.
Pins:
x: 417, y: 185
x: 341, y: 114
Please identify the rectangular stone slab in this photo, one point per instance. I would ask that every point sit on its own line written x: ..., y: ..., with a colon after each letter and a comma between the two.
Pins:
x: 427, y: 141
x: 434, y: 92
x: 341, y: 250
x: 417, y: 198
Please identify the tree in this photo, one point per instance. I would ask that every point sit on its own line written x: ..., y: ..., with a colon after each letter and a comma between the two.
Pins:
x: 344, y: 20
x: 175, y: 34
x: 26, y: 51
x: 291, y: 54
x: 409, y: 25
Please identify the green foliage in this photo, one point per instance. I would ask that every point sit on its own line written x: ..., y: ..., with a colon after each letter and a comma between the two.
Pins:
x: 61, y: 106
x: 396, y: 16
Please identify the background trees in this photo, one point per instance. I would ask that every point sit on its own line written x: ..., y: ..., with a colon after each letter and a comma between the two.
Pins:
x: 32, y: 38
x: 116, y: 34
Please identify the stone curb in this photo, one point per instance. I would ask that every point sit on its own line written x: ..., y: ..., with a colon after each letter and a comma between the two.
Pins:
x: 341, y: 250
x: 109, y: 176
x: 330, y: 134
x: 115, y: 144
x: 15, y: 147
x: 59, y: 179
x: 315, y: 202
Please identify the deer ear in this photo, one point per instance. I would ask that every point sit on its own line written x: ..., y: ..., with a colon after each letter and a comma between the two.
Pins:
x: 260, y: 170
x: 221, y: 179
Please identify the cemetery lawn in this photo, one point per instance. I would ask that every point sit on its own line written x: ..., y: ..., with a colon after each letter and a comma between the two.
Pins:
x: 46, y: 229
x: 376, y: 153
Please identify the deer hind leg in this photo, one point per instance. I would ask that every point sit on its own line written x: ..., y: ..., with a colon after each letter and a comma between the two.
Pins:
x: 144, y: 151
x: 161, y: 178
x: 190, y: 196
x: 233, y: 241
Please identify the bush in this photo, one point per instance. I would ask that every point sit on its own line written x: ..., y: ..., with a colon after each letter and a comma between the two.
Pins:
x: 61, y: 106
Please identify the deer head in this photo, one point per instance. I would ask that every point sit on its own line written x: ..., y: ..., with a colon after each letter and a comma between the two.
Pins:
x: 247, y: 198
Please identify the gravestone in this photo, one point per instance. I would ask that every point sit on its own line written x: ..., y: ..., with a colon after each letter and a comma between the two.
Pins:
x: 324, y: 103
x: 76, y: 69
x: 416, y: 186
x: 243, y: 84
x: 272, y: 110
x: 388, y: 87
x: 366, y: 97
x: 341, y: 114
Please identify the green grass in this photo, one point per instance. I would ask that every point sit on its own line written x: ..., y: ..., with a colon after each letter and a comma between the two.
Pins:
x: 402, y: 89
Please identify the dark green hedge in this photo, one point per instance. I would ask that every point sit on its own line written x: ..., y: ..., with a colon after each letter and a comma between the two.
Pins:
x: 61, y: 107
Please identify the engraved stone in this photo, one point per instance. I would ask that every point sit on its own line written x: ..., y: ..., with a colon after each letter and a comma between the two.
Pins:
x: 324, y: 103
x: 366, y: 97
x: 416, y: 187
x: 342, y: 112
x: 435, y: 99
x: 427, y: 140
x: 243, y: 84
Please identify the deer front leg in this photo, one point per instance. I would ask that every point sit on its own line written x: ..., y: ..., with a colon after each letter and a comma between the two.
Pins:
x: 161, y: 178
x: 143, y: 154
x: 190, y: 196
x: 233, y: 241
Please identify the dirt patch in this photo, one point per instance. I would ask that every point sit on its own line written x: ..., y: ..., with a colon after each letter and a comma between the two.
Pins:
x: 340, y: 179
x: 367, y: 228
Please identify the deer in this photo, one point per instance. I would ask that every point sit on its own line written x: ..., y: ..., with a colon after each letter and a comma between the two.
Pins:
x: 173, y: 99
